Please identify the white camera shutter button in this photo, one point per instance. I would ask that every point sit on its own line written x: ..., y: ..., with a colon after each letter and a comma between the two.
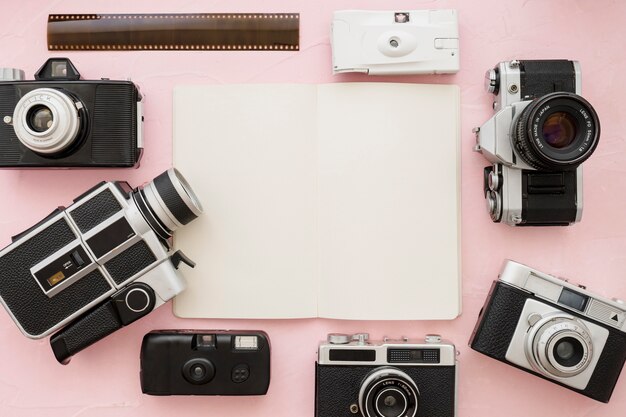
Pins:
x: 432, y: 338
x: 338, y: 338
x: 137, y: 300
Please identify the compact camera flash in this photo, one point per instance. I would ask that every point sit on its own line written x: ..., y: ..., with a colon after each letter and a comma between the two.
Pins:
x: 246, y: 342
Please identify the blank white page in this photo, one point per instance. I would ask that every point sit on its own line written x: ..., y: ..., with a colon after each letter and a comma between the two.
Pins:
x: 338, y: 200
x: 250, y: 153
x: 388, y: 201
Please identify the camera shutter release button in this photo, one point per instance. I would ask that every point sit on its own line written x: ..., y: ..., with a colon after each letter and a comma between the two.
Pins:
x: 137, y: 300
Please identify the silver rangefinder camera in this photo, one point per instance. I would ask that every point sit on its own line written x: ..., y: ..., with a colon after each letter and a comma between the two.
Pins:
x: 99, y: 264
x: 553, y: 329
x: 541, y: 132
x: 387, y: 378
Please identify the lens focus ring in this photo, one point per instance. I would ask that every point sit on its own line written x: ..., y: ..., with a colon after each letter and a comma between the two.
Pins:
x: 388, y: 392
x: 560, y: 346
x: 557, y: 131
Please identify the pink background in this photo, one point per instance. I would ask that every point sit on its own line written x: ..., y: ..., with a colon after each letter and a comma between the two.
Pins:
x: 104, y: 380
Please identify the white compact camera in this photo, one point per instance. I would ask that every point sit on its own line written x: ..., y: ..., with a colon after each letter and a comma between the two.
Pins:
x: 395, y: 42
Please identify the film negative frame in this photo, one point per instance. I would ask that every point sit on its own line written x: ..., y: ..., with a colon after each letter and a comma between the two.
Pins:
x: 174, y: 32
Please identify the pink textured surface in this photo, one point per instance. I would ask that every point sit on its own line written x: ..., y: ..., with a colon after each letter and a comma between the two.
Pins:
x: 103, y: 380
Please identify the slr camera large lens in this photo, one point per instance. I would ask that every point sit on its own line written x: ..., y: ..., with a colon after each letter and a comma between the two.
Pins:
x: 557, y: 131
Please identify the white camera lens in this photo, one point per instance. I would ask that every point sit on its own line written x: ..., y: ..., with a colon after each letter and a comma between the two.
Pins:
x: 46, y: 121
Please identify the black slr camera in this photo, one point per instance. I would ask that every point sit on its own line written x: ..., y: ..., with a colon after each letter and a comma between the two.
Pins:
x: 553, y: 329
x: 392, y: 378
x: 99, y: 264
x: 59, y: 120
x: 541, y: 132
x: 213, y: 362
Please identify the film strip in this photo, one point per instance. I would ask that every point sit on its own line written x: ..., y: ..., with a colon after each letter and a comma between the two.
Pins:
x: 174, y: 32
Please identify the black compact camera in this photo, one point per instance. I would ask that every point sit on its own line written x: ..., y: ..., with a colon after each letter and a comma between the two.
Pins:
x: 541, y: 133
x: 390, y: 378
x: 205, y: 362
x: 99, y: 264
x: 553, y: 329
x: 59, y: 120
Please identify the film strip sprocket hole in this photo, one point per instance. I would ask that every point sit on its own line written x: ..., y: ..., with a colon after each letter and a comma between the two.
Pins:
x: 174, y: 32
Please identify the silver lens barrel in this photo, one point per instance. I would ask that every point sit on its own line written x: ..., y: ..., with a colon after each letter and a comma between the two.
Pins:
x: 59, y: 115
x: 169, y: 201
x: 560, y: 346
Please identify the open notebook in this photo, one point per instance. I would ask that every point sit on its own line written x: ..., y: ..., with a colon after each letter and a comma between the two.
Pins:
x: 336, y: 200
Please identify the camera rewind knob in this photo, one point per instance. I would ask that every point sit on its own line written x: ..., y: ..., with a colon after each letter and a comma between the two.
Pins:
x: 491, y: 81
x: 338, y: 338
x: 11, y: 74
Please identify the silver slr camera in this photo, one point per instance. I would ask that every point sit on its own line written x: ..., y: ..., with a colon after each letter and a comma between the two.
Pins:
x: 541, y: 132
x: 553, y: 329
x: 388, y: 378
x: 99, y: 264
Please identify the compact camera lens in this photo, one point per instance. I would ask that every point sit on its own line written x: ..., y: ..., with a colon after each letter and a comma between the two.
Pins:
x: 568, y: 352
x: 198, y: 371
x: 39, y: 118
x: 388, y: 392
x: 167, y: 202
x: 391, y: 402
x: 559, y: 346
x: 557, y: 131
x: 49, y: 121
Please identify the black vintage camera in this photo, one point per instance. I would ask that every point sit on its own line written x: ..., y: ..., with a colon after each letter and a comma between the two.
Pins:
x: 59, y: 120
x: 99, y: 264
x: 208, y: 362
x: 541, y: 133
x: 392, y: 378
x: 553, y: 329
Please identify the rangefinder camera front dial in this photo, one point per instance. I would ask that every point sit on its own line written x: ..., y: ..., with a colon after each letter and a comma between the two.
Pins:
x: 99, y: 264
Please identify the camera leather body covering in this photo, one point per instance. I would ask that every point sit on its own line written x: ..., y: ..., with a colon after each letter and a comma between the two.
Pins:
x: 497, y: 323
x: 205, y: 362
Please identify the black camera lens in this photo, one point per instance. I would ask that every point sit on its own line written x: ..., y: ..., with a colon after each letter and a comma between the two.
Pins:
x: 557, y: 131
x: 391, y: 402
x: 198, y: 371
x: 388, y: 392
x: 568, y: 352
x: 167, y: 202
x: 39, y: 118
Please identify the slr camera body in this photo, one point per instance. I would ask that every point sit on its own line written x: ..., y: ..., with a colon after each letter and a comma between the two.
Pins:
x: 389, y: 378
x: 541, y: 132
x: 99, y: 264
x: 553, y: 329
x: 205, y: 362
x: 59, y: 120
